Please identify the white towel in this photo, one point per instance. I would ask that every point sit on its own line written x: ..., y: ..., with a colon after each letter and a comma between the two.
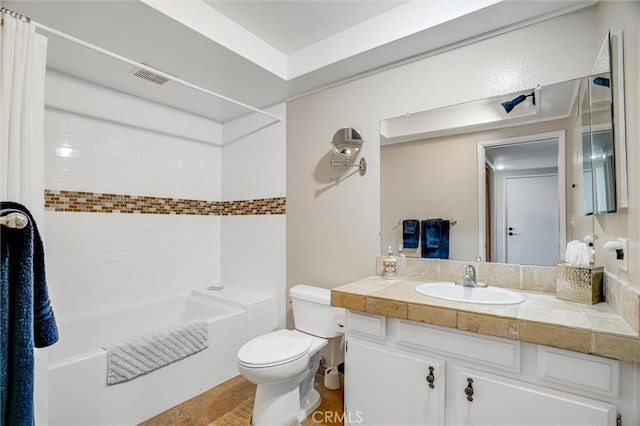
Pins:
x: 142, y: 354
x: 579, y: 254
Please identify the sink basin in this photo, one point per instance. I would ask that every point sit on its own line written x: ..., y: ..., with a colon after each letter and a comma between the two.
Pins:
x: 458, y: 293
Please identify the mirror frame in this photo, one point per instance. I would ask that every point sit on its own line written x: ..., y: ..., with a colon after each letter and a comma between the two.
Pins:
x: 482, y: 196
x: 616, y: 62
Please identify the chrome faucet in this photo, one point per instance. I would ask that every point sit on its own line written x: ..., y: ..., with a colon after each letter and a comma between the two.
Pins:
x: 469, y: 279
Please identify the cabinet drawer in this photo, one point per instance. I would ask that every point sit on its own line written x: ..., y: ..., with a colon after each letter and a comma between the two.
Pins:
x: 372, y: 326
x: 488, y: 350
x: 579, y: 371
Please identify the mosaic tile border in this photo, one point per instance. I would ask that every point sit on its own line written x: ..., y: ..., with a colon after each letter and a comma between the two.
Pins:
x: 254, y: 207
x: 91, y: 202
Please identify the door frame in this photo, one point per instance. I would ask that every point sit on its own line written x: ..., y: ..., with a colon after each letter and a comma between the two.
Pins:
x: 562, y: 213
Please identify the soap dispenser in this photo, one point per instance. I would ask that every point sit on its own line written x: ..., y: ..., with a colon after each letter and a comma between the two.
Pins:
x: 402, y: 263
x: 389, y: 266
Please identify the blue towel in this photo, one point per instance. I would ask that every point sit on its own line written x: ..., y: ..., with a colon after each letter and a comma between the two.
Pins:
x: 433, y: 233
x: 26, y: 317
x: 410, y: 233
x: 435, y: 238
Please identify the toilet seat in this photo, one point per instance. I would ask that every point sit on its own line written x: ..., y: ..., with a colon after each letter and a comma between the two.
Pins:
x: 273, y: 349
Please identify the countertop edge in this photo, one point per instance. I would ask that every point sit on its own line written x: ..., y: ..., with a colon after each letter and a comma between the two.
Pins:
x: 578, y: 339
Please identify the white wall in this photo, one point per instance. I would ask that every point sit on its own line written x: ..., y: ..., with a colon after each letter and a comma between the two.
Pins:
x: 625, y: 16
x: 253, y: 167
x: 97, y: 261
x: 333, y: 225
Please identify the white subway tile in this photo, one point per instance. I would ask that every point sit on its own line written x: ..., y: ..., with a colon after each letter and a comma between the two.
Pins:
x: 105, y: 259
x: 99, y: 156
x: 254, y: 164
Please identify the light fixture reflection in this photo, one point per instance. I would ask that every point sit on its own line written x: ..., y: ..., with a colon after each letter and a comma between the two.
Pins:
x: 509, y: 105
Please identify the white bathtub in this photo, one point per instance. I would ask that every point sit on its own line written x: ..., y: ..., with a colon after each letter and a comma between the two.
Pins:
x: 78, y: 393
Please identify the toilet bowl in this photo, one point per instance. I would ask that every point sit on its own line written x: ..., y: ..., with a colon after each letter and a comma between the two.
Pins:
x: 283, y: 363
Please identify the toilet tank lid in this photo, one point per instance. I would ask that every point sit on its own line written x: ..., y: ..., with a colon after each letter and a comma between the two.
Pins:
x: 311, y: 294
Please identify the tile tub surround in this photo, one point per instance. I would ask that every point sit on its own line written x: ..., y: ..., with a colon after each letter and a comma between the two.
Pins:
x: 541, y: 318
x: 91, y: 202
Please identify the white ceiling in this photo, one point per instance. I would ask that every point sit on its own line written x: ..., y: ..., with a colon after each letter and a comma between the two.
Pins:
x: 262, y: 52
x: 523, y: 156
x: 307, y: 22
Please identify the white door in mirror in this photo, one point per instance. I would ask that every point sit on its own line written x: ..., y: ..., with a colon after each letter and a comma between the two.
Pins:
x: 486, y: 295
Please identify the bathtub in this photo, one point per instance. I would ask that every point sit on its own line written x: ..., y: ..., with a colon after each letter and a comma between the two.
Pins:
x: 78, y: 393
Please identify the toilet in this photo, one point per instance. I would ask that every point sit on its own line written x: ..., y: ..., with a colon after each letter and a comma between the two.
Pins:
x: 283, y: 363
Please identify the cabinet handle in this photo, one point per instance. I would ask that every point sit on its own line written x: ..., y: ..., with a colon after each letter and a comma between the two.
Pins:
x: 469, y: 389
x: 431, y: 378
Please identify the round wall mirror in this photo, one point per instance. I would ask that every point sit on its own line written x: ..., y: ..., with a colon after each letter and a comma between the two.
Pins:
x: 347, y: 142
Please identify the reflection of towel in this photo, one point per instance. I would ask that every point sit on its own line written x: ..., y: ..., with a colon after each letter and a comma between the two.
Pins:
x: 26, y: 318
x: 435, y: 238
x: 578, y: 253
x: 410, y: 233
x: 143, y: 354
x: 433, y: 233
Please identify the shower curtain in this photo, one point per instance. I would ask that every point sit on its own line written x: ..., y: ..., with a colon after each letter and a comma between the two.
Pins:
x: 23, y: 55
x: 22, y: 69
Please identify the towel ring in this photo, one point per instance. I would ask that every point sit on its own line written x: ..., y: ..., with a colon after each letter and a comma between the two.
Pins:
x: 14, y: 219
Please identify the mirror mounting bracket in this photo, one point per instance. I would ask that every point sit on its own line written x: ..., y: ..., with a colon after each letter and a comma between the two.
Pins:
x: 362, y: 165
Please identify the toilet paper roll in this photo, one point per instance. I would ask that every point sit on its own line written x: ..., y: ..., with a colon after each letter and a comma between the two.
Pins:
x: 332, y: 379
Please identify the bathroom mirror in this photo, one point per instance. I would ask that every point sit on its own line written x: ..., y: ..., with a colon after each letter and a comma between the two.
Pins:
x: 598, y: 154
x: 455, y: 162
x: 347, y: 142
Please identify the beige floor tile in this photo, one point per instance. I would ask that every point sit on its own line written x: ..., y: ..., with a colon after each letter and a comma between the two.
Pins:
x: 229, y: 403
x: 174, y: 416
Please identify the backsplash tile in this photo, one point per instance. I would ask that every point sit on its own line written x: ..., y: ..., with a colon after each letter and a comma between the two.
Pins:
x: 524, y: 277
x: 91, y: 202
x: 453, y: 270
x: 423, y: 269
x: 624, y: 299
x: 499, y: 274
x: 538, y: 278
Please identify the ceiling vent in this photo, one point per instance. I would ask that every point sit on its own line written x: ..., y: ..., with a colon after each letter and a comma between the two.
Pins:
x: 148, y: 75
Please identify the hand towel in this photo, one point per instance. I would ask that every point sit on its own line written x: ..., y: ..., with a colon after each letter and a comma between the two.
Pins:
x: 410, y: 233
x: 26, y: 317
x: 435, y: 238
x: 433, y: 233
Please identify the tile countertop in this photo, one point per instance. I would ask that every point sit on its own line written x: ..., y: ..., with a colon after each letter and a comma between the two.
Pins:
x: 540, y: 319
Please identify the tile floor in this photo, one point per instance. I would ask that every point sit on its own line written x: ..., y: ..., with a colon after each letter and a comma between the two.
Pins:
x: 210, y: 407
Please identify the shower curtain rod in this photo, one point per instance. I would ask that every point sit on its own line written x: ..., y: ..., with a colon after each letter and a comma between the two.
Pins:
x: 147, y: 67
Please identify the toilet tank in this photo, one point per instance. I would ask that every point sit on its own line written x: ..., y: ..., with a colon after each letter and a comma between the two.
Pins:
x: 313, y: 313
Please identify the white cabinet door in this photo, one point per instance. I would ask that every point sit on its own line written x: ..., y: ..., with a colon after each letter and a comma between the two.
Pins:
x: 498, y: 400
x: 390, y: 387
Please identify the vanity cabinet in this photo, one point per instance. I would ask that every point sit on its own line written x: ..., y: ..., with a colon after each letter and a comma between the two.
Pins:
x: 389, y: 387
x: 494, y: 400
x: 477, y: 379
